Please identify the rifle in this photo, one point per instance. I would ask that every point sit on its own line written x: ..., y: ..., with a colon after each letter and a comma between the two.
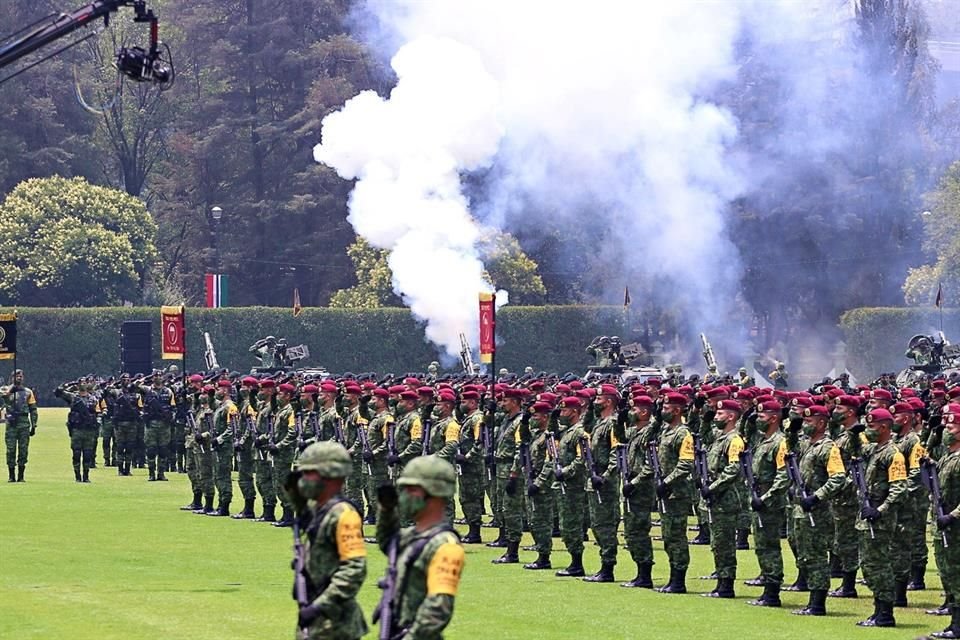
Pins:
x: 793, y: 473
x: 365, y: 445
x: 856, y: 470
x: 338, y: 432
x: 624, y: 468
x: 931, y: 480
x: 527, y: 463
x: 746, y: 468
x: 702, y: 473
x: 588, y: 457
x: 654, y: 456
x: 195, y: 429
x: 299, y: 578
x: 708, y: 355
x: 209, y: 355
x: 392, y: 448
x: 235, y: 433
x: 425, y: 437
x: 557, y: 467
x: 486, y: 434
x: 298, y: 421
x: 384, y: 610
x: 208, y: 427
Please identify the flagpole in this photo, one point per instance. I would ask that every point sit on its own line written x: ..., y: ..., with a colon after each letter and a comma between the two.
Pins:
x: 940, y: 304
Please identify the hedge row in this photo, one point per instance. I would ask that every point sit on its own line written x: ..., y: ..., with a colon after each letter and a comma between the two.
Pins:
x: 877, y: 337
x: 61, y: 344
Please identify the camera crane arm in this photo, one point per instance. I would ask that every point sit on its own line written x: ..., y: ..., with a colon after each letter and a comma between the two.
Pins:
x: 137, y: 64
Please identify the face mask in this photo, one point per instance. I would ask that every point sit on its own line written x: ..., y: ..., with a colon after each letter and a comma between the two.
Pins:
x: 949, y: 438
x: 719, y: 424
x: 762, y: 423
x: 872, y: 434
x: 809, y: 428
x: 310, y: 488
x: 410, y: 504
x: 564, y: 420
x: 838, y: 416
x: 392, y: 404
x: 261, y: 397
x: 896, y: 427
x: 464, y: 408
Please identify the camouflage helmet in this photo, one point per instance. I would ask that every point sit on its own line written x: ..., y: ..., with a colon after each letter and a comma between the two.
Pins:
x: 434, y: 474
x: 328, y: 458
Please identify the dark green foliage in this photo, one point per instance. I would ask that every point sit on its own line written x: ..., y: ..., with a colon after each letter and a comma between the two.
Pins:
x: 56, y: 345
x: 877, y: 337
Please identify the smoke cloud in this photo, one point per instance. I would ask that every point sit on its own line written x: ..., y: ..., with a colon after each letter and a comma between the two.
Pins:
x: 609, y: 118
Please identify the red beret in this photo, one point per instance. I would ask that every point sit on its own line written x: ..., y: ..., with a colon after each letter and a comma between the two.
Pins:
x: 675, y: 398
x: 833, y: 393
x: 249, y: 381
x: 938, y: 393
x: 470, y: 395
x: 195, y: 378
x: 562, y: 388
x: 939, y: 384
x: 764, y: 398
x: 408, y: 395
x: 225, y: 383
x: 208, y: 388
x: 576, y: 384
x: 411, y: 382
x: 952, y: 408
x: 287, y: 388
x: 853, y: 402
x: 642, y: 401
x: 380, y: 392
x: 706, y: 386
x: 267, y: 384
x: 717, y: 392
x: 686, y: 390
x: 901, y: 407
x: 881, y: 394
x: 537, y: 385
x: 954, y: 393
x: 916, y: 403
x: 512, y: 392
x: 447, y: 396
x: 817, y: 410
x: 542, y: 407
x: 309, y: 388
x: 353, y: 390
x: 770, y: 406
x: 654, y: 382
x: 729, y: 405
x: 907, y: 392
x: 801, y: 402
x: 395, y: 389
x: 879, y: 415
x: 368, y: 385
x: 609, y: 390
x: 586, y: 394
x: 425, y: 391
x: 827, y: 387
x: 329, y: 387
x: 572, y: 402
x: 546, y: 396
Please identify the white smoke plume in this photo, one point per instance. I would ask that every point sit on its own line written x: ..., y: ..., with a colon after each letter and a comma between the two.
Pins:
x: 407, y: 154
x: 596, y: 115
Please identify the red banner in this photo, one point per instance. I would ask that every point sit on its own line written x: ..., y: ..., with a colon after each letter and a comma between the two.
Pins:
x: 173, y: 333
x: 488, y: 327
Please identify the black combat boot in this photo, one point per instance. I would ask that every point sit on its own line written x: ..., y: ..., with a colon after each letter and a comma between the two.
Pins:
x: 160, y: 476
x: 678, y: 582
x: 86, y: 474
x: 223, y: 509
x: 193, y: 506
x: 473, y: 535
x: 20, y: 471
x: 759, y: 581
x: 724, y: 589
x: 953, y: 631
x: 207, y: 506
x: 575, y: 570
x: 247, y: 513
x: 847, y: 588
x: 703, y: 536
x: 836, y: 567
x: 542, y: 562
x: 76, y: 473
x: 643, y: 580
x: 900, y: 593
x: 106, y: 456
x: 917, y: 582
x: 500, y: 541
x: 153, y: 475
x: 604, y: 575
x: 801, y: 583
x: 286, y: 519
x: 882, y: 616
x: 743, y: 542
x: 770, y: 597
x: 942, y: 610
x: 268, y: 514
x: 510, y: 556
x: 816, y: 606
x: 11, y: 469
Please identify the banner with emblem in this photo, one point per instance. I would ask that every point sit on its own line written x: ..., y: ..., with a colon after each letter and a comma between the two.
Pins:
x: 8, y: 336
x: 488, y: 327
x: 173, y: 333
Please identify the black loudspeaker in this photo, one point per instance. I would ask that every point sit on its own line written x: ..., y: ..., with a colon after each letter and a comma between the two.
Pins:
x: 136, y: 347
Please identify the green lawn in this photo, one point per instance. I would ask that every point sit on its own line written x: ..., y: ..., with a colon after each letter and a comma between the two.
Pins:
x: 117, y: 559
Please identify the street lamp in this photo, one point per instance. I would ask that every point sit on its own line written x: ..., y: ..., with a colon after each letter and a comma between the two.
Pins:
x: 216, y: 213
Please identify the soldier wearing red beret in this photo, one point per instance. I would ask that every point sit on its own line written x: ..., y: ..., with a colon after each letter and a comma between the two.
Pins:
x: 844, y: 421
x: 571, y: 477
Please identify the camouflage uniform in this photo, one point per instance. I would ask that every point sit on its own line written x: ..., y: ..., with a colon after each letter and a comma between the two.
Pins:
x: 224, y: 421
x: 205, y: 456
x: 21, y: 408
x: 264, y: 460
x: 127, y: 406
x: 948, y: 557
x: 356, y: 481
x: 408, y: 434
x: 641, y: 501
x: 472, y: 471
x: 377, y: 437
x: 159, y: 404
x: 83, y: 426
x: 911, y: 519
x: 571, y: 502
x: 676, y: 458
x: 511, y: 506
x: 723, y: 465
x: 604, y: 503
x: 845, y: 507
x: 245, y: 455
x: 540, y: 495
x: 770, y: 474
x: 444, y: 443
x: 285, y: 441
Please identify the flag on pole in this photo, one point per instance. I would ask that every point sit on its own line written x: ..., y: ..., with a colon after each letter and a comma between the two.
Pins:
x: 939, y: 301
x: 8, y: 336
x: 173, y: 333
x: 488, y: 331
x: 626, y: 296
x: 215, y: 285
x: 297, y: 308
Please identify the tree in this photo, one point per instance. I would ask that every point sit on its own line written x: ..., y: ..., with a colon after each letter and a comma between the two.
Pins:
x: 66, y: 242
x: 508, y: 267
x: 374, y: 286
x: 942, y: 243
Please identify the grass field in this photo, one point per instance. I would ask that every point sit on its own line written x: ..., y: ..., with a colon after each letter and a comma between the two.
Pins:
x: 117, y: 559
